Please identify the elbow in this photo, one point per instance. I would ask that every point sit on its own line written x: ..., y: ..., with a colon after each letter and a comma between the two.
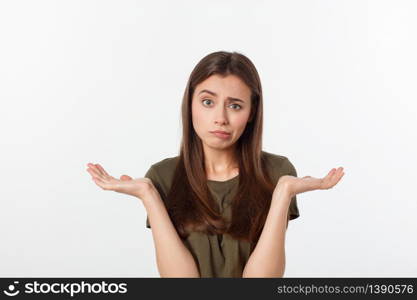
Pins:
x: 188, y: 271
x: 264, y: 272
x: 179, y: 274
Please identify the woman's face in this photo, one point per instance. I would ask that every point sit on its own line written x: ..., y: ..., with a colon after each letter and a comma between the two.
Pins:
x: 223, y: 104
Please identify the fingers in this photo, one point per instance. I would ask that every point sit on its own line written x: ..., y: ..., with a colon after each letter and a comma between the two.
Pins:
x: 125, y: 177
x: 332, y: 178
x: 100, y: 183
x: 330, y: 172
x: 335, y: 177
x: 102, y: 169
x: 102, y: 178
x: 339, y: 175
x: 96, y: 172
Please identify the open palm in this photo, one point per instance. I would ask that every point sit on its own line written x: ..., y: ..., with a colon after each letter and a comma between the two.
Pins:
x: 138, y: 187
x: 297, y: 185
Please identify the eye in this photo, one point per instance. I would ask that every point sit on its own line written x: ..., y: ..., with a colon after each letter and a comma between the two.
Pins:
x: 236, y: 106
x: 240, y: 107
x: 205, y: 100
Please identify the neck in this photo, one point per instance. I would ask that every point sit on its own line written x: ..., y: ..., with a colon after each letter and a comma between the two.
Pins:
x: 220, y: 161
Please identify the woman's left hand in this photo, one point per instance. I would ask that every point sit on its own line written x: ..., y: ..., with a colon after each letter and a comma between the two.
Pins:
x: 295, y: 185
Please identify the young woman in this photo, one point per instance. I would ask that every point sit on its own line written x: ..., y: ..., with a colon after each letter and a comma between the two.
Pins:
x: 221, y: 207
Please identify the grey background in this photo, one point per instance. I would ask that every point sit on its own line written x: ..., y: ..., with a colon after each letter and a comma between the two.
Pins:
x: 102, y: 81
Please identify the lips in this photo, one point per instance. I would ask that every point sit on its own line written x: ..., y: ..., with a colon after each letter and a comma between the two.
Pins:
x: 219, y: 131
x: 221, y: 134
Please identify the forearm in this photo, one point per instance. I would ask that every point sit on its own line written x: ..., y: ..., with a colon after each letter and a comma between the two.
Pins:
x: 173, y: 257
x: 268, y: 257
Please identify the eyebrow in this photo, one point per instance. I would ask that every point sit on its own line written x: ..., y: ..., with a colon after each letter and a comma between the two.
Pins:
x: 214, y: 94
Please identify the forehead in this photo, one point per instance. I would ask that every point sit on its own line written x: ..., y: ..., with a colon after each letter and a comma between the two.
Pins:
x: 230, y: 85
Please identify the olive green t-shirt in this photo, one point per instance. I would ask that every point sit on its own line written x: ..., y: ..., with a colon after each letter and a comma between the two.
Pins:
x: 220, y: 255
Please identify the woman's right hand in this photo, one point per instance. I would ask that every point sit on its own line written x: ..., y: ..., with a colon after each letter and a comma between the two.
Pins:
x: 139, y: 187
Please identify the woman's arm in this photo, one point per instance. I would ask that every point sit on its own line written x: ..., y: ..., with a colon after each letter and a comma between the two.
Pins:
x: 172, y: 256
x: 268, y: 257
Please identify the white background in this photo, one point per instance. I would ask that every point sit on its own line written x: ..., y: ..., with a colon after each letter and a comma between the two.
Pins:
x: 102, y: 82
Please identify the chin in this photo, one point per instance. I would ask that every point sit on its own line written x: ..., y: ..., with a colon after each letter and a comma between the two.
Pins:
x: 220, y: 145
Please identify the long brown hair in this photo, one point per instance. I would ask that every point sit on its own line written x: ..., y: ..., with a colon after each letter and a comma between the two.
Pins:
x: 189, y: 201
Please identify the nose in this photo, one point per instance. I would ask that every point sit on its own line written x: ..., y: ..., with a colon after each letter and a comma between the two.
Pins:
x: 220, y: 117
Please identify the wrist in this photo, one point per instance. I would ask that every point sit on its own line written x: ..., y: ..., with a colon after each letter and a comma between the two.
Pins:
x: 282, y: 194
x: 150, y: 197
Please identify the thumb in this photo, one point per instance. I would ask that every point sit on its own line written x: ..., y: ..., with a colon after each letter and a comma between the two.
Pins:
x: 125, y: 177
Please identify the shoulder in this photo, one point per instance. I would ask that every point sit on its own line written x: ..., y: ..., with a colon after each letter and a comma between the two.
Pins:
x: 162, y: 172
x: 278, y: 165
x: 273, y: 158
x: 165, y: 164
x: 277, y: 161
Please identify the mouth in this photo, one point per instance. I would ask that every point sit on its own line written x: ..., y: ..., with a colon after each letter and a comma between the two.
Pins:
x: 221, y: 134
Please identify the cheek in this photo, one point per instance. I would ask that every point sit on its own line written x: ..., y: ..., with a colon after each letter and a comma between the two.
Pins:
x: 198, y: 117
x: 240, y: 121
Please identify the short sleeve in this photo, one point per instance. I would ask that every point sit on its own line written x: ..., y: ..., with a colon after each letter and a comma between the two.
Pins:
x: 293, y: 212
x: 153, y: 175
